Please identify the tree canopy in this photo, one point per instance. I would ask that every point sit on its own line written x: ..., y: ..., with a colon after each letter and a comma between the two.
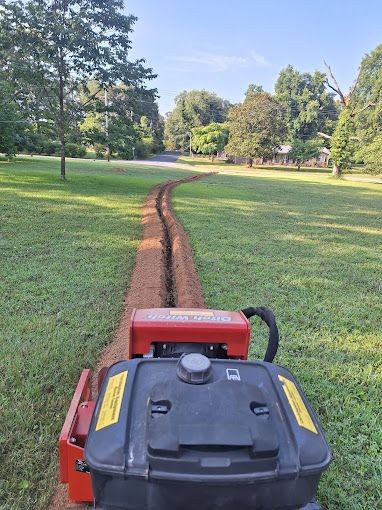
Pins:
x: 54, y: 47
x: 11, y: 123
x: 192, y: 109
x: 257, y: 126
x: 210, y: 139
x: 309, y: 106
x: 367, y: 99
x: 343, y: 143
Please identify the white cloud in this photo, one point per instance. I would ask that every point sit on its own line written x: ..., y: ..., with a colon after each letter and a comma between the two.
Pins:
x: 217, y: 62
x: 259, y: 59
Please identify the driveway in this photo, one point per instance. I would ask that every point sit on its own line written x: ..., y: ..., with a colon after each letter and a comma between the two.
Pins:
x: 166, y: 157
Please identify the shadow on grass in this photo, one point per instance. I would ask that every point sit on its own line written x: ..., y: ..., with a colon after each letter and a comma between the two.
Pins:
x: 311, y: 251
x: 66, y: 253
x: 230, y: 166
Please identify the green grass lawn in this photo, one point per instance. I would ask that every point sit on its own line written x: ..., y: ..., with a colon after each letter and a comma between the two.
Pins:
x: 311, y: 248
x: 199, y: 161
x: 66, y: 253
x: 223, y: 165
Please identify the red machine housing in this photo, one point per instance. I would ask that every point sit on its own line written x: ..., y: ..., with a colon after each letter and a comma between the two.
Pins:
x: 72, y: 442
x: 194, y: 325
x: 147, y: 327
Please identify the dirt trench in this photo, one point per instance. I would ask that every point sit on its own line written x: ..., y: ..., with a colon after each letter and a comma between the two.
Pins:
x: 164, y: 276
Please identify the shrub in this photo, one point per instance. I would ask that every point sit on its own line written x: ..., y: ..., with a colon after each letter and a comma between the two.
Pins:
x: 50, y: 147
x: 149, y: 143
x: 99, y: 150
x: 75, y: 150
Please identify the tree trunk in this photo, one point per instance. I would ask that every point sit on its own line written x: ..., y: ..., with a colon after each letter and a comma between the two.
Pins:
x: 336, y: 172
x: 62, y: 118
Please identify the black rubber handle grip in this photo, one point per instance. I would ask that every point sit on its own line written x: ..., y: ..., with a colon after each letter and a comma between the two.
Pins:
x: 267, y: 315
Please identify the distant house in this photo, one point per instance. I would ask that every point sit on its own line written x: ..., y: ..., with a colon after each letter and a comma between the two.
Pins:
x: 281, y: 158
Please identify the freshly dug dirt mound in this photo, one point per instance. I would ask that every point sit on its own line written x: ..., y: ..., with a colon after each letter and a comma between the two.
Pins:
x: 164, y: 276
x: 186, y: 287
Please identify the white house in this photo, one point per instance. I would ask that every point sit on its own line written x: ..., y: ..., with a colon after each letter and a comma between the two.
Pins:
x: 281, y: 157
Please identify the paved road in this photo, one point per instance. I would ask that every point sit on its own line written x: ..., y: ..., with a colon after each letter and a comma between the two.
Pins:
x: 166, y: 157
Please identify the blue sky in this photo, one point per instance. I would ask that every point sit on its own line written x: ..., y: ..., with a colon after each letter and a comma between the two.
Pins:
x: 223, y: 45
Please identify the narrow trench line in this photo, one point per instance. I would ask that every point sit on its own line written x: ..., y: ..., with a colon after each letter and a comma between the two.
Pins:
x: 179, y: 283
x: 167, y: 249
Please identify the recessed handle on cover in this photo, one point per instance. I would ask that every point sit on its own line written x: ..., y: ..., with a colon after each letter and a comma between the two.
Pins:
x: 214, y: 435
x: 267, y: 315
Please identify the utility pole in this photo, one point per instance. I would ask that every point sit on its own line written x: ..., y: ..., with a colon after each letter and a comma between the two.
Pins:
x: 107, y: 127
x: 190, y: 144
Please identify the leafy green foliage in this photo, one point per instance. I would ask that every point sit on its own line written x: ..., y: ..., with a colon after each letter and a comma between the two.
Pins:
x: 369, y: 92
x: 252, y: 90
x: 372, y: 155
x: 54, y: 48
x: 367, y: 100
x: 302, y: 151
x: 75, y: 150
x: 11, y: 122
x: 342, y: 149
x: 256, y: 127
x: 141, y: 128
x: 309, y: 106
x: 192, y: 109
x: 210, y: 139
x: 99, y: 150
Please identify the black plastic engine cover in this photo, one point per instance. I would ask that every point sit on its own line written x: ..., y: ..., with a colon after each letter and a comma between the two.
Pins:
x: 247, y: 438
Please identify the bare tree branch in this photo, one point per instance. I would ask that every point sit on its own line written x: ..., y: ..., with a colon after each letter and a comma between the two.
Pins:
x: 92, y: 97
x: 336, y: 88
x: 355, y: 83
x: 323, y: 135
x: 368, y: 105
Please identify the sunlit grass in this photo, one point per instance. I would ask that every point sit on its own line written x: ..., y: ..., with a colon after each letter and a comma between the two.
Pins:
x: 67, y: 250
x: 311, y: 248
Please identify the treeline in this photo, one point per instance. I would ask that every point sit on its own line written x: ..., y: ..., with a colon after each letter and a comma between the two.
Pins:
x: 308, y: 111
x: 66, y: 83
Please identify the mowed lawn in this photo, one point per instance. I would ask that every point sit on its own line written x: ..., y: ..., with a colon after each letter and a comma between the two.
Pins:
x: 311, y: 248
x: 67, y: 250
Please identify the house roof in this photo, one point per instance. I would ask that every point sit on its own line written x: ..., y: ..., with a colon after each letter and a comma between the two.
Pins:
x: 284, y: 149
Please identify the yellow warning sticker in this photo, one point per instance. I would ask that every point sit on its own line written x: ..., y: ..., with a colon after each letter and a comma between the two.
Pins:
x: 297, y: 404
x: 112, y: 400
x: 191, y: 312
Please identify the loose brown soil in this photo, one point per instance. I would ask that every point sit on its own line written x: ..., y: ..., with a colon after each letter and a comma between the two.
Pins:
x: 164, y: 276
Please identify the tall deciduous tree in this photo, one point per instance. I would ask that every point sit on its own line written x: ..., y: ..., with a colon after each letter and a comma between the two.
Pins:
x: 210, y: 139
x: 309, y: 106
x: 59, y: 45
x: 257, y: 127
x: 192, y: 109
x: 11, y: 122
x: 343, y: 144
x: 132, y: 110
x: 368, y: 123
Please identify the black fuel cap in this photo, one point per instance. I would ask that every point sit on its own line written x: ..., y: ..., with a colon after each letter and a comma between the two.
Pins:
x: 194, y: 368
